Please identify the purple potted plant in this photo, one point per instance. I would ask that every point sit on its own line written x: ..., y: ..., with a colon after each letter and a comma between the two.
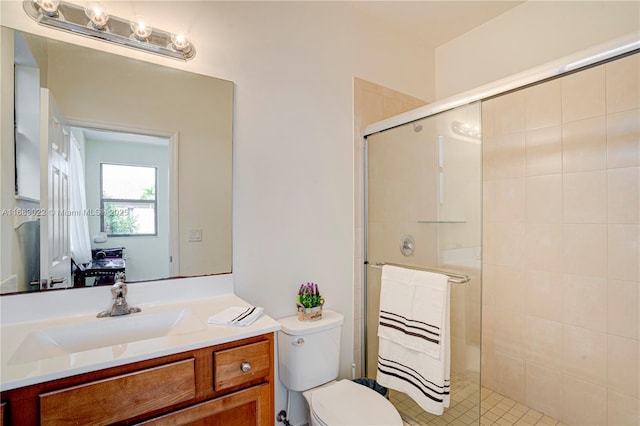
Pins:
x: 309, y: 303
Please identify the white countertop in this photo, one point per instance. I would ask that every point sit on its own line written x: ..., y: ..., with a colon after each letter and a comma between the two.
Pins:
x: 21, y: 365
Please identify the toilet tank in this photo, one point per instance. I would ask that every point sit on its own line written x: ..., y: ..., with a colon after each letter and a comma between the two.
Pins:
x: 309, y: 351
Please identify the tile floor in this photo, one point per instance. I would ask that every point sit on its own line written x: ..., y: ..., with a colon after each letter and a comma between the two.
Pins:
x: 495, y: 409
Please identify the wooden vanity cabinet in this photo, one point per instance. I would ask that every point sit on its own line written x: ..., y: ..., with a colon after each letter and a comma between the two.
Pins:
x: 226, y: 384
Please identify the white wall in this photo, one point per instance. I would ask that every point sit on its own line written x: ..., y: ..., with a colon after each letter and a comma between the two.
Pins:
x: 293, y: 64
x: 529, y: 35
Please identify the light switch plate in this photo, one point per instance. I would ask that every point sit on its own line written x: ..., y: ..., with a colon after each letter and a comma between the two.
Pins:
x: 195, y: 235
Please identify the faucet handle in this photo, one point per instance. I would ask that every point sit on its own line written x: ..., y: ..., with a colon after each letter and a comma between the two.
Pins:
x: 119, y: 290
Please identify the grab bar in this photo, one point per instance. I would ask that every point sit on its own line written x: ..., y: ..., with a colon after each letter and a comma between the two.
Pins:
x: 453, y: 277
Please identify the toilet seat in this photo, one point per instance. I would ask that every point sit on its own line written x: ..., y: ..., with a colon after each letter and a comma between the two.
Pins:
x: 347, y: 403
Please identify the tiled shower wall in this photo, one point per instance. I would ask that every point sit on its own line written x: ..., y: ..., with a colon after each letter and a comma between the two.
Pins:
x: 561, y: 259
x: 372, y: 103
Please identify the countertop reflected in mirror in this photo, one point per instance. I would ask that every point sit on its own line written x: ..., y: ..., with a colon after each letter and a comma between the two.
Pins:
x: 100, y: 92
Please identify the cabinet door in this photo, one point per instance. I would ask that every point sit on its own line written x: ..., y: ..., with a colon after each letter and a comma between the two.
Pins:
x: 247, y: 407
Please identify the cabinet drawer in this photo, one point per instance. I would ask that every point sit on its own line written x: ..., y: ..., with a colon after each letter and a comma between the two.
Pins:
x: 243, y: 364
x: 121, y: 397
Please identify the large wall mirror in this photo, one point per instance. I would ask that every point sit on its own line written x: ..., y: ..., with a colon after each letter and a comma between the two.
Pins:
x: 145, y: 180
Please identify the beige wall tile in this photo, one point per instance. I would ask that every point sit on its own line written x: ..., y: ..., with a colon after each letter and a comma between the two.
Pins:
x: 580, y: 275
x: 543, y: 392
x: 510, y: 377
x: 509, y: 200
x: 584, y: 301
x: 489, y: 369
x: 488, y: 243
x: 623, y: 301
x: 508, y: 113
x: 488, y: 286
x: 544, y: 151
x: 585, y: 250
x: 510, y: 244
x: 624, y: 252
x: 488, y: 202
x: 488, y: 166
x: 544, y: 199
x: 623, y: 139
x: 585, y: 354
x: 623, y: 366
x: 370, y: 109
x: 509, y: 156
x: 623, y: 84
x: 509, y: 329
x: 509, y: 288
x: 584, y: 145
x: 392, y: 106
x: 543, y: 105
x: 360, y: 83
x: 583, y: 95
x: 544, y: 247
x: 544, y: 295
x: 585, y: 197
x: 544, y: 343
x: 583, y: 403
x: 623, y: 410
x: 623, y: 195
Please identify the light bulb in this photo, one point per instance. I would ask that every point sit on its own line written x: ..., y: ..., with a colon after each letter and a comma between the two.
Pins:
x: 180, y: 42
x: 141, y: 30
x: 50, y: 7
x: 97, y: 15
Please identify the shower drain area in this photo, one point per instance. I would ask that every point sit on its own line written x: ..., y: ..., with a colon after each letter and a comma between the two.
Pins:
x: 494, y: 409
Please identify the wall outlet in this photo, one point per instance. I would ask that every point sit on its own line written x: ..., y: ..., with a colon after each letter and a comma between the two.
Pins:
x: 195, y: 235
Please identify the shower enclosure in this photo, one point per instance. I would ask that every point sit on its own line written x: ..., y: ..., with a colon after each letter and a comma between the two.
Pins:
x: 423, y: 209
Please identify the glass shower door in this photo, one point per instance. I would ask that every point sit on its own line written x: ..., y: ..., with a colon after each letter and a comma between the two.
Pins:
x: 423, y: 209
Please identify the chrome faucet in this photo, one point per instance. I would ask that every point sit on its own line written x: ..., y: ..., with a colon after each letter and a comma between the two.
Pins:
x: 120, y: 305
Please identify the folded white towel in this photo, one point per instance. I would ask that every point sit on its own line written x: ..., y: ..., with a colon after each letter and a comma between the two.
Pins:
x: 413, y: 309
x: 425, y: 379
x: 414, y: 354
x: 237, y: 315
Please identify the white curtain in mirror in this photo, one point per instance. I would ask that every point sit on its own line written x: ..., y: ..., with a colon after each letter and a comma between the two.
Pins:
x: 80, y: 240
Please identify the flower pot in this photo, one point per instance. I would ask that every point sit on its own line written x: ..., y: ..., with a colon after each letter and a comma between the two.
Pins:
x: 309, y: 314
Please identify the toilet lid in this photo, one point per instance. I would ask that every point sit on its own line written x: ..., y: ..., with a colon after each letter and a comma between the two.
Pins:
x: 348, y: 403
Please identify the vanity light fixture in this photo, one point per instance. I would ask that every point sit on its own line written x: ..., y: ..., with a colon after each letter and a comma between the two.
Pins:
x: 97, y: 15
x: 140, y: 28
x: 464, y: 129
x: 94, y: 21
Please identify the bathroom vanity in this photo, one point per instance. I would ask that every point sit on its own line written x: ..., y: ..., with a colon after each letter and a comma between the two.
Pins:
x: 162, y: 366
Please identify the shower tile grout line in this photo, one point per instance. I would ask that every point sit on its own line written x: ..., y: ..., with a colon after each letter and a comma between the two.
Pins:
x: 494, y: 409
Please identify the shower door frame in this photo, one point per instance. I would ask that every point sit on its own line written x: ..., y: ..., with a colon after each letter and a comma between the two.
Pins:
x: 597, y: 55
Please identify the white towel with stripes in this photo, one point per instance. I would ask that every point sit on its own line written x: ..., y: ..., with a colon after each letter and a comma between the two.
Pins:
x: 240, y: 316
x: 414, y: 344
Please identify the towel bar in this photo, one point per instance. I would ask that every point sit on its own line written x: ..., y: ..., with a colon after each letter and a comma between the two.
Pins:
x: 453, y: 277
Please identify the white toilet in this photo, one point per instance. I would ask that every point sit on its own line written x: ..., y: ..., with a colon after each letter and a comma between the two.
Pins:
x: 309, y: 356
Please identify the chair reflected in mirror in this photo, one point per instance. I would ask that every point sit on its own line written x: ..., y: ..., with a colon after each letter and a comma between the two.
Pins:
x: 104, y: 265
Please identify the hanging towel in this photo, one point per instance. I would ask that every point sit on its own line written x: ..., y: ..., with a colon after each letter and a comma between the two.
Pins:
x: 414, y: 345
x: 236, y: 315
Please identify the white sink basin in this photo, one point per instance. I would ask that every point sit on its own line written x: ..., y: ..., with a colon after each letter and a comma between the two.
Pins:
x: 104, y: 332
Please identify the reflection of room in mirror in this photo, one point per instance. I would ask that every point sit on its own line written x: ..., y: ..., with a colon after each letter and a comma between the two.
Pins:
x: 124, y: 182
x: 102, y: 94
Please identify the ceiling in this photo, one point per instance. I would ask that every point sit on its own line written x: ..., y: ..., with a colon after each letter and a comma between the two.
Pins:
x: 435, y: 22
